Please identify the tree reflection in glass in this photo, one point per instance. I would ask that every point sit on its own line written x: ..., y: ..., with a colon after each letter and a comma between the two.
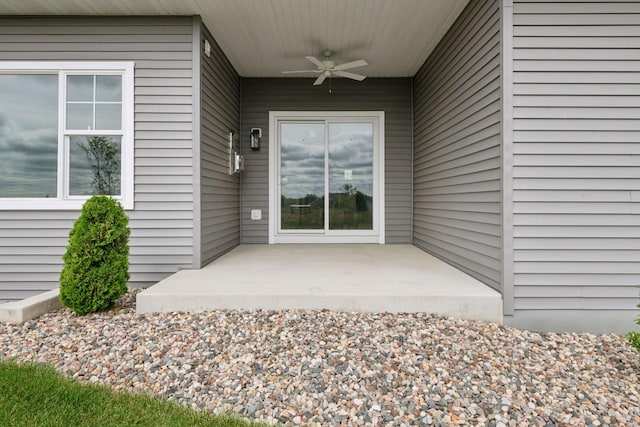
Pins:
x: 95, y: 166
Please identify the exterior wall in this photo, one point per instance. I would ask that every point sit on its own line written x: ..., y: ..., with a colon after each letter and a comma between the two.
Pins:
x: 219, y: 192
x: 457, y: 146
x: 393, y: 96
x: 33, y: 242
x: 576, y: 144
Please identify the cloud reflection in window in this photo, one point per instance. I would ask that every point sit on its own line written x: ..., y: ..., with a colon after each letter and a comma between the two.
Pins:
x: 28, y: 135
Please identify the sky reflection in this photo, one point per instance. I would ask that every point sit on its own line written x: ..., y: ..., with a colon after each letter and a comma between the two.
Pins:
x: 302, y: 164
x: 28, y: 135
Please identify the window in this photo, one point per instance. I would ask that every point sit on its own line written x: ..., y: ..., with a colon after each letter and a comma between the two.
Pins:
x: 66, y: 133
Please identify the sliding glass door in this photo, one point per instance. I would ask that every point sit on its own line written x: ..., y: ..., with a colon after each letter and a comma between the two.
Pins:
x: 326, y: 175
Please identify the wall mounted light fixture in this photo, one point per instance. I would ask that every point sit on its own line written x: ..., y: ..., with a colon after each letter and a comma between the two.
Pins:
x: 256, y: 136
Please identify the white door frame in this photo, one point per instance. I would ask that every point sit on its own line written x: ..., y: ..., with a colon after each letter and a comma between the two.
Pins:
x: 377, y: 118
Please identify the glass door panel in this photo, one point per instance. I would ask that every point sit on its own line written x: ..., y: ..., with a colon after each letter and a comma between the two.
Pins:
x: 302, y: 176
x: 350, y: 176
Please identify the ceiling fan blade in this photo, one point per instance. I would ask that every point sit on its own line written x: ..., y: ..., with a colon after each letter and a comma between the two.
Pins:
x: 320, y: 79
x: 315, y: 61
x: 301, y: 71
x: 358, y: 77
x: 352, y: 64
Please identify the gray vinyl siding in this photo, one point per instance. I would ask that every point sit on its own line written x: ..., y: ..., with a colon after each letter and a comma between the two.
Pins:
x: 457, y: 146
x: 33, y: 242
x: 393, y: 96
x: 220, y: 192
x: 576, y: 155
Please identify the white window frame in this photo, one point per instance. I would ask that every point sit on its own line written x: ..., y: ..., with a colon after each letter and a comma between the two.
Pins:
x: 63, y: 201
x: 377, y: 235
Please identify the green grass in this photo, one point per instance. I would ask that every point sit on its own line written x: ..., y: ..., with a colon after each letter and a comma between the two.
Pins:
x: 33, y: 395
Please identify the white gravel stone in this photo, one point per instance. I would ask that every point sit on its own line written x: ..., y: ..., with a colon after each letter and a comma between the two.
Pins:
x: 331, y: 368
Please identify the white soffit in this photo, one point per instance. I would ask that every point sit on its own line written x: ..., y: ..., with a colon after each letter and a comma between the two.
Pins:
x: 262, y: 38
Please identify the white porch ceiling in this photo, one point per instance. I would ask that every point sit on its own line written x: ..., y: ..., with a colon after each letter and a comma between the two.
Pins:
x: 262, y: 38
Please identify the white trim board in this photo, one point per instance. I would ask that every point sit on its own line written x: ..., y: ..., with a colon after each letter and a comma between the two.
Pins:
x: 377, y: 118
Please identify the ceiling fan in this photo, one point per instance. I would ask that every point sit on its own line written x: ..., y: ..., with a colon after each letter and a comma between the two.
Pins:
x: 328, y: 68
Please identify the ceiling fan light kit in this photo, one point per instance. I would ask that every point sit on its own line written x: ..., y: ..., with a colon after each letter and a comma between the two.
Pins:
x: 328, y: 68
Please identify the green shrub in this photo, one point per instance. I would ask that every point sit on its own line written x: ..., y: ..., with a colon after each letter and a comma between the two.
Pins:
x: 96, y: 264
x: 634, y: 340
x: 634, y: 337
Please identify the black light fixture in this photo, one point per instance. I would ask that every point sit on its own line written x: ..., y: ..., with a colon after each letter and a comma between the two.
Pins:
x: 256, y: 136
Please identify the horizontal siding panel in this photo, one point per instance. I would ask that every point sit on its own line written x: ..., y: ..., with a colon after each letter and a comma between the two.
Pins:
x: 474, y: 243
x: 576, y: 31
x: 162, y: 221
x: 573, y: 78
x: 574, y: 304
x: 578, y: 255
x: 585, y: 160
x: 572, y: 244
x: 605, y: 172
x: 81, y: 55
x: 465, y: 178
x: 586, y: 148
x: 607, y: 208
x: 464, y: 166
x: 584, y: 268
x: 557, y: 291
x: 160, y: 153
x: 576, y: 136
x: 575, y: 54
x: 460, y: 207
x: 576, y: 145
x: 581, y: 101
x: 162, y: 117
x: 541, y: 9
x: 473, y: 217
x: 164, y: 99
x: 482, y: 139
x: 577, y: 88
x: 576, y: 113
x: 576, y: 19
x: 163, y: 180
x: 479, y: 150
x: 577, y: 219
x: 470, y: 188
x: 547, y: 281
x: 178, y: 50
x: 575, y: 42
x: 576, y: 66
x: 576, y: 184
x: 463, y: 197
x: 576, y: 196
x: 462, y: 230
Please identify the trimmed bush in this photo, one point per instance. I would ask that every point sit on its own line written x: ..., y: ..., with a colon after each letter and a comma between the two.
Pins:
x: 96, y: 264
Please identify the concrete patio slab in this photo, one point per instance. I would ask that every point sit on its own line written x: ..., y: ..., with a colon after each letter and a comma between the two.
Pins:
x: 30, y: 308
x: 375, y: 278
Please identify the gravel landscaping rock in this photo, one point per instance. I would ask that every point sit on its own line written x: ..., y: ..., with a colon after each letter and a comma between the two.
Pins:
x: 333, y: 368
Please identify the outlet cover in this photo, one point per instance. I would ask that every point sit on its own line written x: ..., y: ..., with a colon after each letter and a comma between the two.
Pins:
x: 256, y: 214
